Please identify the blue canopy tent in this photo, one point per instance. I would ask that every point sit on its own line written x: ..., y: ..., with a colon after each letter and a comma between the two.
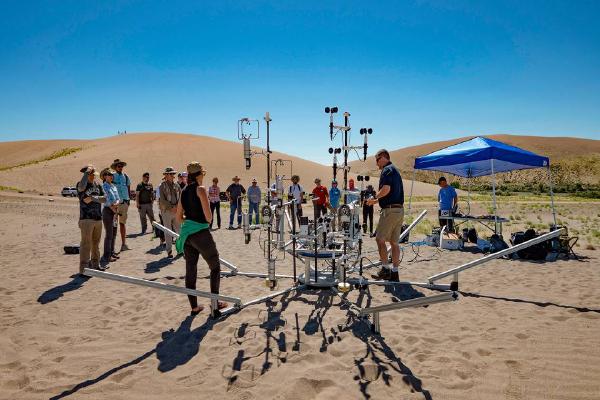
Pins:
x: 481, y: 156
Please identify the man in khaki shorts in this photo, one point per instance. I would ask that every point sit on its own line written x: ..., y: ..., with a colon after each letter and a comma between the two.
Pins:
x: 390, y: 197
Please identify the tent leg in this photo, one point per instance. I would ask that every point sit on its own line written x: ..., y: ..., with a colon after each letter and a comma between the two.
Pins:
x: 551, y: 195
x: 494, y: 198
x: 411, y: 191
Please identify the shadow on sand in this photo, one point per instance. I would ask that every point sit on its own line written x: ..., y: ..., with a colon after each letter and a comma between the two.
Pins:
x: 57, y: 292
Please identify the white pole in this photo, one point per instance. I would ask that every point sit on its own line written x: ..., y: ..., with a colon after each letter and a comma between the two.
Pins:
x: 469, y: 193
x: 551, y: 195
x: 412, y: 184
x: 494, y: 196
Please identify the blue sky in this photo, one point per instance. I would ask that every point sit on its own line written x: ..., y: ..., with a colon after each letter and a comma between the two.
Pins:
x: 413, y: 71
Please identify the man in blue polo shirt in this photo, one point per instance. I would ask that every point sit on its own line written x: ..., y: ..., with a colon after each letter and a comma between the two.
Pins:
x: 390, y: 197
x: 448, y: 199
x: 123, y: 184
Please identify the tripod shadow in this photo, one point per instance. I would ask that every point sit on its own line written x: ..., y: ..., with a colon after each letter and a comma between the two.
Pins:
x: 379, y: 360
x: 57, y: 292
x: 403, y: 292
x: 535, y: 303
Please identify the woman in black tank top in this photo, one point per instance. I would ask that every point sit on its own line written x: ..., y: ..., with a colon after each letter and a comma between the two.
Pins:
x: 194, y: 206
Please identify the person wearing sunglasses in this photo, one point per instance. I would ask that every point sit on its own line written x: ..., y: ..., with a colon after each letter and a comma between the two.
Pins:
x: 390, y: 198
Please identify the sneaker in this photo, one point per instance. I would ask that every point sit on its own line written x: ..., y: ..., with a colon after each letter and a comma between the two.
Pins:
x: 231, y: 228
x: 384, y: 274
x: 125, y: 247
x: 394, y: 276
x: 169, y: 255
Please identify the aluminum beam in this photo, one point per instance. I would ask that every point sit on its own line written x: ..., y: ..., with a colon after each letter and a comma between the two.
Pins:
x: 159, y: 285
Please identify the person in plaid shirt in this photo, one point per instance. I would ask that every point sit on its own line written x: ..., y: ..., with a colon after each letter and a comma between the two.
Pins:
x: 215, y: 202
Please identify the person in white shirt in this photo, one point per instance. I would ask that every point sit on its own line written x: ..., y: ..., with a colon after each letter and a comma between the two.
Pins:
x: 296, y: 191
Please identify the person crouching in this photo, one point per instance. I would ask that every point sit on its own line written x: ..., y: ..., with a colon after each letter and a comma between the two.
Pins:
x: 193, y: 213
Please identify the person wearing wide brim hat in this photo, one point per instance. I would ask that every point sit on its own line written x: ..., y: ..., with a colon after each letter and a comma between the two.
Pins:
x: 195, y: 239
x: 235, y: 191
x: 108, y: 215
x: 117, y: 163
x: 169, y: 195
x: 123, y: 183
x: 169, y: 171
x: 91, y: 196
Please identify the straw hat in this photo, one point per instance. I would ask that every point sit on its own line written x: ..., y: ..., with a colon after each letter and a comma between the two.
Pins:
x: 194, y: 167
x: 235, y: 178
x: 107, y: 171
x: 82, y: 170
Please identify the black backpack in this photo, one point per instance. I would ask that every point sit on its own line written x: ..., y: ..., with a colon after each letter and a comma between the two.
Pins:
x: 535, y: 252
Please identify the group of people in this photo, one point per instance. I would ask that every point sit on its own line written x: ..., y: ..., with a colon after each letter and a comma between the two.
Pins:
x: 187, y: 207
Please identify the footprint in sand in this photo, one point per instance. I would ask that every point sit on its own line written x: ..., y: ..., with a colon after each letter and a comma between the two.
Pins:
x: 521, y: 336
x: 483, y: 352
x: 412, y: 339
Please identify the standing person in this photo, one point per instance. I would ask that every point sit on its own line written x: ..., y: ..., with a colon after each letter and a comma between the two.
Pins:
x: 296, y: 191
x: 182, y: 179
x: 355, y: 195
x: 368, y: 209
x: 193, y: 212
x: 91, y: 196
x: 170, y: 193
x: 234, y: 194
x: 321, y: 198
x: 334, y: 201
x: 144, y: 198
x: 214, y: 197
x: 123, y: 184
x: 448, y: 200
x: 254, y: 197
x: 157, y: 232
x: 109, y: 213
x: 390, y: 197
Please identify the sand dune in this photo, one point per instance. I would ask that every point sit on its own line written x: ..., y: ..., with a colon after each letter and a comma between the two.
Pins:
x: 557, y: 148
x: 150, y: 152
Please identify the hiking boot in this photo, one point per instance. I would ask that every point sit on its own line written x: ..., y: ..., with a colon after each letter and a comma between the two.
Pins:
x: 394, y: 276
x: 384, y: 274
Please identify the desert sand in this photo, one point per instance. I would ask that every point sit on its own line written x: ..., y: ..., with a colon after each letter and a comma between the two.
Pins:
x: 153, y: 152
x: 520, y: 330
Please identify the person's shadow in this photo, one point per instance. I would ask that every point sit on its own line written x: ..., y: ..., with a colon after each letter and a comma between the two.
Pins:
x: 57, y: 292
x: 180, y: 346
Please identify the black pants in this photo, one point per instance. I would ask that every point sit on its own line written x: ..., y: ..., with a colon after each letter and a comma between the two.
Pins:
x: 201, y: 244
x: 159, y: 233
x: 108, y: 217
x: 368, y: 214
x: 216, y: 206
x: 446, y: 222
x: 320, y: 209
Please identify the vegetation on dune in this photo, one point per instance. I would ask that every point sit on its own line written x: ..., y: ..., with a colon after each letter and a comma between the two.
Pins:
x: 57, y: 154
x: 10, y: 189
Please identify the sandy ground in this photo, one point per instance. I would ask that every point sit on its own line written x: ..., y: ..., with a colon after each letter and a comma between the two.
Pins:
x: 520, y: 330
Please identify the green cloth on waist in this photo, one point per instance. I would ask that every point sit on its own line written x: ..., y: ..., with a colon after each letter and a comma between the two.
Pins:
x: 188, y: 228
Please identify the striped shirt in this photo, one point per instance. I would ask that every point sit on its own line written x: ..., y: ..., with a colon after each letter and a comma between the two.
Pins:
x: 213, y: 194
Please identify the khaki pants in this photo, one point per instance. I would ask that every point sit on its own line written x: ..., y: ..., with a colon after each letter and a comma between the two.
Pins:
x: 91, y: 231
x: 390, y: 224
x: 170, y: 222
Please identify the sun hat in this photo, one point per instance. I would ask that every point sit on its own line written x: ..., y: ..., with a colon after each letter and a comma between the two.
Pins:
x: 194, y: 167
x: 254, y: 180
x: 169, y: 171
x: 107, y: 171
x: 235, y: 178
x: 82, y: 170
x: 118, y: 162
